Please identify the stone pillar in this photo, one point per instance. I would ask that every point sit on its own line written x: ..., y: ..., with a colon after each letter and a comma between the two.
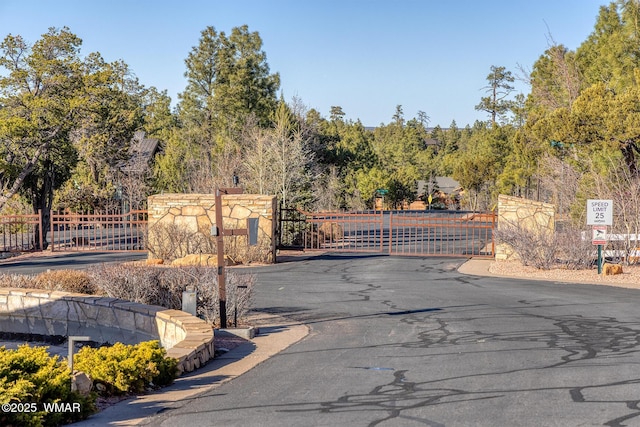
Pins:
x: 183, y: 222
x: 538, y: 217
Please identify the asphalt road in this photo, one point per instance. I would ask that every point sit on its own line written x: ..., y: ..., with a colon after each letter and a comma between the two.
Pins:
x: 411, y: 342
x: 75, y: 260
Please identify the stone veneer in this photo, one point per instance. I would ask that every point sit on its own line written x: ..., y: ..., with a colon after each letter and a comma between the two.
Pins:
x: 195, y: 213
x: 532, y: 215
x: 186, y: 338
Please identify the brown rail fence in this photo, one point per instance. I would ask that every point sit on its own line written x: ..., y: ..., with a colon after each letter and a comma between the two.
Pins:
x: 442, y: 234
x: 345, y: 232
x: 99, y: 232
x: 419, y: 233
x: 20, y: 233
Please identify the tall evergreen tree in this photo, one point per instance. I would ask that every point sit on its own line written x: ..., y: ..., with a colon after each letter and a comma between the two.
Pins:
x: 499, y: 88
x: 481, y: 159
x: 609, y: 55
x: 39, y: 95
x: 244, y: 84
x: 110, y: 115
x: 159, y: 122
x: 228, y: 80
x: 556, y: 79
x: 58, y: 109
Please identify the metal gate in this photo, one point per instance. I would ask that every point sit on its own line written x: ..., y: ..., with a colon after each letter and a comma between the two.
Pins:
x: 442, y: 233
x: 291, y: 227
x: 418, y: 233
x: 347, y: 232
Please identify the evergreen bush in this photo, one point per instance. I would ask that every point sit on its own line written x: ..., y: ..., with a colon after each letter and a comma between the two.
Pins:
x: 30, y: 378
x: 122, y: 369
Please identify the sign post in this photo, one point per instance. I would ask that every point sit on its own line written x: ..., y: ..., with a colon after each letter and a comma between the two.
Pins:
x: 599, y: 215
x: 380, y: 192
x: 599, y: 238
x: 219, y: 231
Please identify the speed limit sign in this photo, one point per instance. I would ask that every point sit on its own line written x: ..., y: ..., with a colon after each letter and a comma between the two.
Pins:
x: 599, y: 212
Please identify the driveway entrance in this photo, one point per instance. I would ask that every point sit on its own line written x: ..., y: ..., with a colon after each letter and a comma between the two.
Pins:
x: 406, y: 341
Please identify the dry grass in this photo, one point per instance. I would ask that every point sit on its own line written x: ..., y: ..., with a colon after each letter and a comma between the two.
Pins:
x: 56, y: 280
x: 66, y: 280
x: 16, y: 281
x: 630, y: 278
x: 163, y: 285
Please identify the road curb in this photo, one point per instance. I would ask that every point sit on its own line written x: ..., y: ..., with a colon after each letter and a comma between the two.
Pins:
x: 477, y: 267
x: 272, y: 338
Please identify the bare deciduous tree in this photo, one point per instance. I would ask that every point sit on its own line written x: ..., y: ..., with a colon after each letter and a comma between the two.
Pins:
x: 559, y: 183
x: 276, y: 159
x: 256, y: 167
x: 622, y: 187
x: 556, y: 80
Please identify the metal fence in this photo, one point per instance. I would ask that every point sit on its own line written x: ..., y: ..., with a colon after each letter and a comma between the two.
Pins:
x: 346, y: 232
x: 75, y: 232
x: 99, y: 232
x: 420, y: 233
x: 20, y: 233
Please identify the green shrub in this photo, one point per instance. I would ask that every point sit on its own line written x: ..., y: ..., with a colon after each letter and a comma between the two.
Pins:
x: 29, y: 375
x: 125, y: 368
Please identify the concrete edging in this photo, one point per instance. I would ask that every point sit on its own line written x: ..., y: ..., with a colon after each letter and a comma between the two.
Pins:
x: 247, y: 333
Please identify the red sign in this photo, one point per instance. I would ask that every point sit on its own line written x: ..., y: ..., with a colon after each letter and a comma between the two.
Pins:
x: 599, y: 236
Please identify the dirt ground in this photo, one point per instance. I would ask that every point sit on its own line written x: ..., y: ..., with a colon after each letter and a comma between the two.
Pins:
x: 630, y: 277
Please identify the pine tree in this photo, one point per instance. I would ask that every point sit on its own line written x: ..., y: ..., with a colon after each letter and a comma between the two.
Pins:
x: 499, y: 88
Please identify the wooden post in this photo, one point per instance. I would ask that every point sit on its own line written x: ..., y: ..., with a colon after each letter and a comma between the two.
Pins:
x: 222, y: 287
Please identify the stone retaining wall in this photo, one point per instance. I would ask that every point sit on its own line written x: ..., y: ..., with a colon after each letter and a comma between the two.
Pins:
x: 106, y: 320
x: 538, y: 217
x: 194, y: 214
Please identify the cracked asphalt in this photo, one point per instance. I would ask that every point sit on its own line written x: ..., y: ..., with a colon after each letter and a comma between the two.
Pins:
x: 399, y: 341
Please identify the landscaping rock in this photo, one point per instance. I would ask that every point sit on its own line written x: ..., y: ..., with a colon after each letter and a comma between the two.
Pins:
x: 611, y: 269
x: 81, y: 383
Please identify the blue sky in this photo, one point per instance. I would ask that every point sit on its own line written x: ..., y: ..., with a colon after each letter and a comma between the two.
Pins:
x: 365, y: 56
